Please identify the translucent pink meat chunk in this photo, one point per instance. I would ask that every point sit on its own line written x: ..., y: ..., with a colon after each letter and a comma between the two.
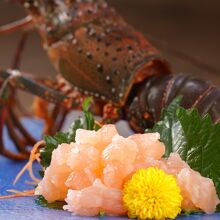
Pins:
x: 92, y: 200
x: 80, y: 179
x: 75, y: 203
x: 121, y: 150
x: 149, y: 146
x: 52, y: 186
x: 89, y: 174
x: 83, y: 156
x: 114, y: 175
x: 99, y: 139
x: 175, y: 164
x: 197, y: 190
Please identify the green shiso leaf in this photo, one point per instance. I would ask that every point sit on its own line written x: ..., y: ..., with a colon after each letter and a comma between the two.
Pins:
x: 86, y: 104
x: 72, y: 130
x: 168, y: 125
x: 41, y: 201
x: 51, y: 144
x: 199, y: 144
x: 46, y: 152
x: 196, y: 139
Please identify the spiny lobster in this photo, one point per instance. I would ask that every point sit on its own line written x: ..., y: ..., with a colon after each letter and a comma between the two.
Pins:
x: 96, y: 53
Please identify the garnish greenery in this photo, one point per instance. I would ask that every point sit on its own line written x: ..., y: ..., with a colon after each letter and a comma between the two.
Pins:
x: 195, y: 138
x: 41, y: 201
x: 167, y: 126
x: 190, y: 212
x: 87, y: 122
x: 102, y: 214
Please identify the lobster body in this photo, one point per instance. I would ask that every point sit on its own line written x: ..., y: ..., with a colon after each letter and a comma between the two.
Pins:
x: 155, y: 93
x: 99, y: 54
x: 95, y: 49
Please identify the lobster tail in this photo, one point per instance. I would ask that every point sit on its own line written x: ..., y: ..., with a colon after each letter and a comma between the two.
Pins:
x: 149, y: 98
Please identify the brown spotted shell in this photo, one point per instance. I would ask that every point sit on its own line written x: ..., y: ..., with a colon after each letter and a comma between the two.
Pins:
x: 98, y: 52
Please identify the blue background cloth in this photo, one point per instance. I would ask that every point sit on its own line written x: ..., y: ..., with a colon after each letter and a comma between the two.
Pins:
x: 25, y: 208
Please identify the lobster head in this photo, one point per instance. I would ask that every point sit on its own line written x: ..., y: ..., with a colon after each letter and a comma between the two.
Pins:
x: 94, y: 48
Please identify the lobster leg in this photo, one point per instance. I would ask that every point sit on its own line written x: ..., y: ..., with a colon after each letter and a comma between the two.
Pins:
x: 16, y: 131
x: 20, y: 127
x: 63, y: 96
x: 17, y: 25
x: 17, y: 80
x: 58, y: 116
x: 19, y: 50
x: 5, y: 119
x: 54, y: 120
x: 59, y: 113
x: 20, y: 143
x: 3, y: 149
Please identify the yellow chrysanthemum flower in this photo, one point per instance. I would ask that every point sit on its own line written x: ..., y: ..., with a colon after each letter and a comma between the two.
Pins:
x: 152, y: 194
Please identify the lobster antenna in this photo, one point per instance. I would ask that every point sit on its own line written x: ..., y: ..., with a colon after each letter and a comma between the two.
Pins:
x: 16, y: 25
x: 16, y: 63
x: 19, y: 51
x: 182, y: 55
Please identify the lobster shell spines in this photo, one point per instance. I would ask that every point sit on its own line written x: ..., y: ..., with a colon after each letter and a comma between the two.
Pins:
x: 104, y: 55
